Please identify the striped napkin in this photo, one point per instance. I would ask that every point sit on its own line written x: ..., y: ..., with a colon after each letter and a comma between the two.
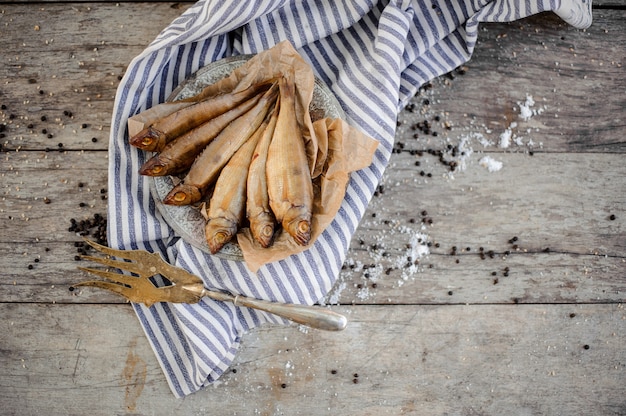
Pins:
x: 374, y: 55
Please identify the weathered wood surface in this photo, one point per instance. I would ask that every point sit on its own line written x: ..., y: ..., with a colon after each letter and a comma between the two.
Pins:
x: 444, y: 336
x: 536, y: 199
x: 462, y: 360
x: 571, y: 73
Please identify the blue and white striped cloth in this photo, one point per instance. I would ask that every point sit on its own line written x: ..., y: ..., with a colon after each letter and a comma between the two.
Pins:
x: 374, y: 55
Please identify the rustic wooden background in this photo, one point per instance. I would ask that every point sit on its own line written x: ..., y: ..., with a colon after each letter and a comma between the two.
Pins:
x: 532, y: 324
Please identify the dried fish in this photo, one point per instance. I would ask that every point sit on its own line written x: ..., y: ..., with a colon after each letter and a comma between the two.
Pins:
x: 156, y: 136
x: 227, y: 207
x: 258, y: 211
x: 206, y: 168
x: 289, y: 182
x: 178, y: 155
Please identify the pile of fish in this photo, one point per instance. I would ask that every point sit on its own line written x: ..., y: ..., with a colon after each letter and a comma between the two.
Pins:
x: 243, y: 154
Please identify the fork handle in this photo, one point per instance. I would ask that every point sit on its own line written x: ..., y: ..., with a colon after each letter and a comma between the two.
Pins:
x: 312, y: 316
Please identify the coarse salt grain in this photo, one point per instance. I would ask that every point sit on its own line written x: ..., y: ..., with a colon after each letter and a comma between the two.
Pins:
x: 505, y: 138
x: 490, y: 163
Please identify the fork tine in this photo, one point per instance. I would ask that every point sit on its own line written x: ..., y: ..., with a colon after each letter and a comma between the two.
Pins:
x: 123, y: 265
x: 129, y: 293
x: 119, y: 279
x: 137, y: 255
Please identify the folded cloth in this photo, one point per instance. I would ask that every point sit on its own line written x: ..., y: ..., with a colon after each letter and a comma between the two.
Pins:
x: 374, y: 55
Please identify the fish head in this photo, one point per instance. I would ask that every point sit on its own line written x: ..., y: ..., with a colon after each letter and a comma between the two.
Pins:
x: 219, y: 231
x: 148, y: 139
x: 299, y: 228
x: 183, y: 194
x: 262, y: 229
x: 153, y: 167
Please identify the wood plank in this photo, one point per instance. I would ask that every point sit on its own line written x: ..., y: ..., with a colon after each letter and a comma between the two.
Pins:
x: 64, y: 63
x: 555, y: 201
x: 510, y: 62
x: 571, y: 78
x: 521, y: 359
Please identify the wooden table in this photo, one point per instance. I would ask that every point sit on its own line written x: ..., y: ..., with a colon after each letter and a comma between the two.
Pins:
x: 516, y: 308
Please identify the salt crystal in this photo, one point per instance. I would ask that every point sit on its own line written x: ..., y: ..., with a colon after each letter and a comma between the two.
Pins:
x: 490, y: 164
x: 505, y: 138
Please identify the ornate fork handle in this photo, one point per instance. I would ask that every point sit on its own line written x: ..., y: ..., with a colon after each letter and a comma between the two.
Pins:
x: 312, y: 316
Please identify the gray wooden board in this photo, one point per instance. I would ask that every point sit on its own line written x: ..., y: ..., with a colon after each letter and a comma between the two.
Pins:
x: 462, y: 360
x: 571, y: 74
x: 443, y: 335
x: 558, y: 206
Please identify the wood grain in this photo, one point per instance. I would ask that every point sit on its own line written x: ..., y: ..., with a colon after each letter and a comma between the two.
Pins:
x: 557, y: 205
x: 533, y: 326
x: 523, y: 359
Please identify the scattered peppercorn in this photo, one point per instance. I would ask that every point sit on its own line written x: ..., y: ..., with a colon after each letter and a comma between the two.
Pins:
x: 612, y: 217
x: 96, y: 227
